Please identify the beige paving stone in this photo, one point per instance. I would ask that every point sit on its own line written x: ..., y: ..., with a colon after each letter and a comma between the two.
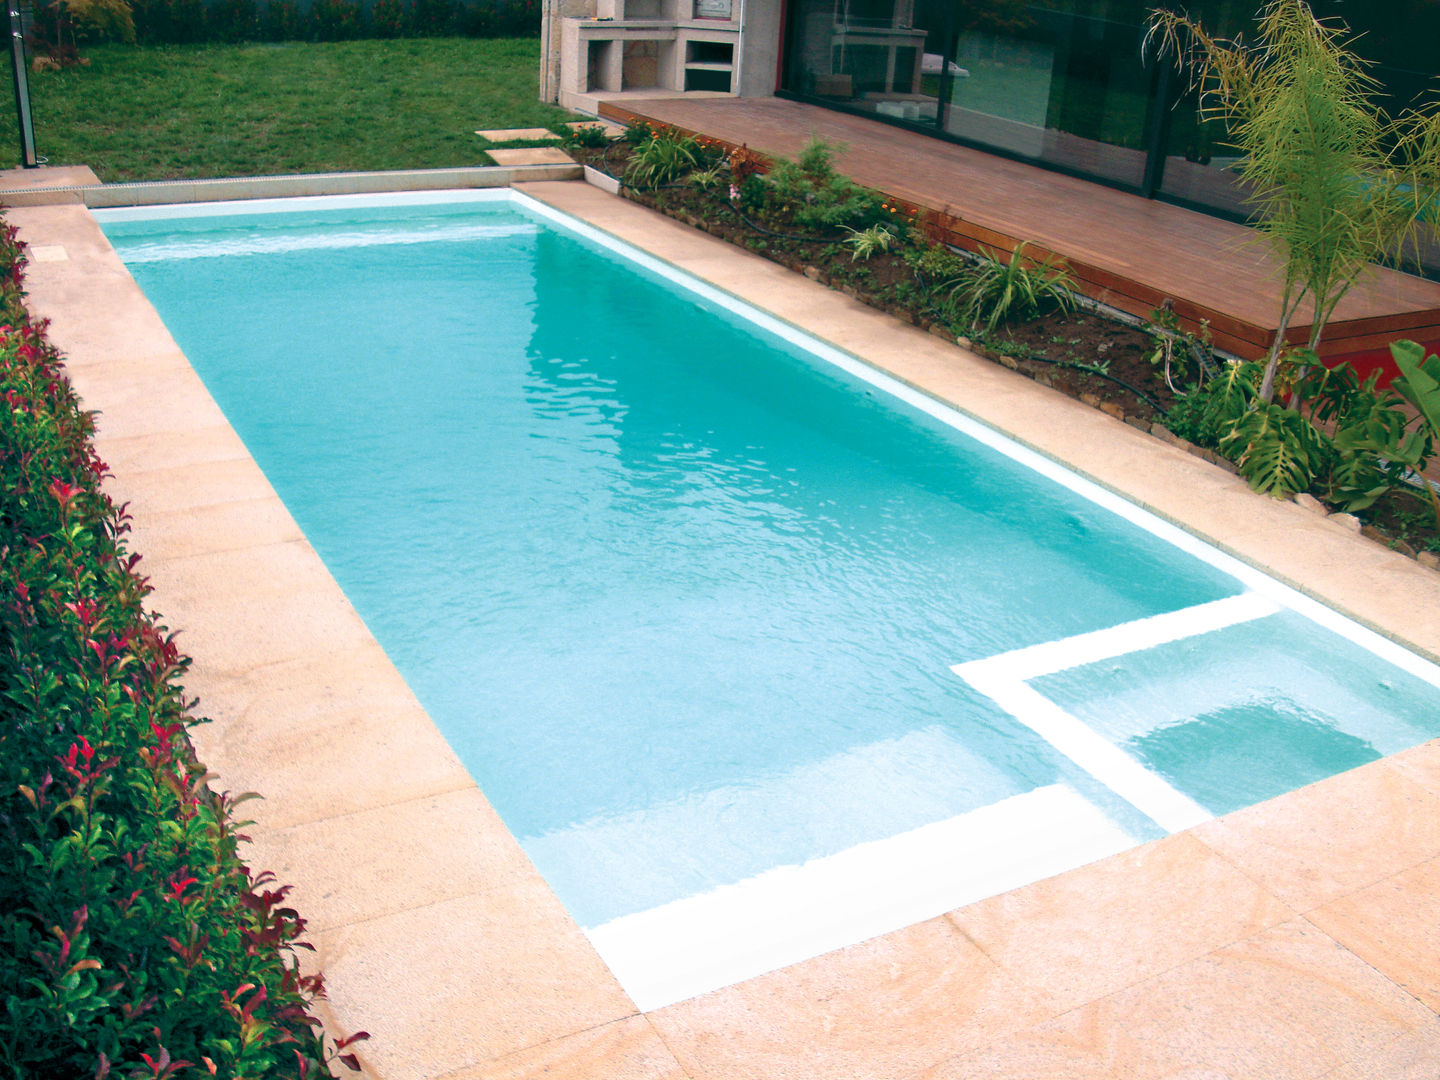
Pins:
x: 218, y: 527
x: 255, y: 605
x: 517, y: 134
x: 1096, y: 930
x: 128, y: 455
x: 1413, y: 1056
x: 1087, y: 1043
x: 1287, y: 1003
x: 1392, y: 926
x: 460, y: 982
x: 1420, y: 764
x: 887, y: 1007
x: 1332, y: 838
x: 627, y: 1049
x: 398, y: 856
x: 103, y: 314
x: 539, y: 155
x: 199, y: 483
x: 331, y: 733
x: 140, y: 398
x: 46, y: 176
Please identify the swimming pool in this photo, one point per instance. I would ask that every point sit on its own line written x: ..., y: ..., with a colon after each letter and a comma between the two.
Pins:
x: 755, y: 658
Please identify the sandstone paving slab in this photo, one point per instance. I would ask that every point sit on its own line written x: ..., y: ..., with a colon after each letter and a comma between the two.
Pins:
x: 538, y: 155
x: 891, y: 1006
x: 517, y: 134
x: 256, y: 605
x: 213, y: 528
x: 139, y: 397
x: 626, y: 1049
x: 328, y: 734
x: 1096, y: 930
x: 1413, y: 1056
x: 1420, y: 764
x: 47, y: 176
x: 1087, y: 1043
x: 106, y: 316
x: 1392, y: 926
x: 399, y: 856
x: 1333, y: 837
x: 129, y: 455
x: 192, y: 485
x: 1289, y: 1002
x: 464, y: 981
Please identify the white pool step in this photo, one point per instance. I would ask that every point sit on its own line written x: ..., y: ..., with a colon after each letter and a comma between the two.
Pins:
x: 792, y: 913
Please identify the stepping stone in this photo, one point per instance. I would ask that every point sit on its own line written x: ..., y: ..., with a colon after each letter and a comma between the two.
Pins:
x: 515, y: 134
x: 610, y: 129
x: 539, y: 155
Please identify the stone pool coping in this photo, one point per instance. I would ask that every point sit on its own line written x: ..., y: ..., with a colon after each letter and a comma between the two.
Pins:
x: 1289, y: 939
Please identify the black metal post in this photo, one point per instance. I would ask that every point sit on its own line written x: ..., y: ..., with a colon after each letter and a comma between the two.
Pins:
x: 22, y: 87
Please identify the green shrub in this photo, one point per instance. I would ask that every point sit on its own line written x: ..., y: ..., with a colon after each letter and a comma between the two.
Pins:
x: 232, y: 21
x: 337, y: 20
x: 282, y: 21
x: 130, y: 930
x: 389, y: 19
x: 433, y: 18
x: 811, y: 193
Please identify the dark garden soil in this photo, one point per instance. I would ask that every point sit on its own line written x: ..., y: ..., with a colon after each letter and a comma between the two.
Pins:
x: 1093, y: 355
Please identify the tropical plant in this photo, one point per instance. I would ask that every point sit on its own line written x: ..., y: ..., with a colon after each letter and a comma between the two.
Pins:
x: 1328, y: 192
x: 867, y: 243
x: 994, y: 290
x: 662, y: 159
x: 1356, y: 444
x: 1419, y: 385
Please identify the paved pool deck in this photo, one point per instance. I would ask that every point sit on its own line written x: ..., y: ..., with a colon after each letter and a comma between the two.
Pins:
x: 1297, y: 938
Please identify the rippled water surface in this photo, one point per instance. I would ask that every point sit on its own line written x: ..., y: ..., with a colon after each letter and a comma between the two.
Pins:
x: 685, y: 599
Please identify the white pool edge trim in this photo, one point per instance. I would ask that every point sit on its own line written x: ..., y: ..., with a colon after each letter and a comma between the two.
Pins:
x: 788, y: 914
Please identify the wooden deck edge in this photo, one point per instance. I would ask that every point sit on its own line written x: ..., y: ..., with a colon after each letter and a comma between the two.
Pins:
x: 1241, y: 337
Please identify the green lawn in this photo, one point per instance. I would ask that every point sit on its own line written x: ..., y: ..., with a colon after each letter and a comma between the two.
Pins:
x: 166, y: 112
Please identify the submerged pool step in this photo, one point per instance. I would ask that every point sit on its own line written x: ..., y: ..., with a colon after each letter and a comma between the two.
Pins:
x: 1005, y: 680
x: 793, y: 913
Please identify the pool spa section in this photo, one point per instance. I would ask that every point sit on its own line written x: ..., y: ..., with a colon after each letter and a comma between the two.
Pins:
x: 758, y: 651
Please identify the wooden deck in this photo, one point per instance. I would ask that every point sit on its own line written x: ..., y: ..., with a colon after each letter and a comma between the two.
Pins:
x: 1126, y: 251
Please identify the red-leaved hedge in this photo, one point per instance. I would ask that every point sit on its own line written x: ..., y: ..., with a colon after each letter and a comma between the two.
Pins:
x: 134, y: 942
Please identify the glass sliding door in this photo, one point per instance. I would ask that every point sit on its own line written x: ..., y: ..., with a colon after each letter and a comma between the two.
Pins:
x: 1060, y: 81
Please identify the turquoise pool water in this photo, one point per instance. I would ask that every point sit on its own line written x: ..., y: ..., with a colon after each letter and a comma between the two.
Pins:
x: 720, y: 627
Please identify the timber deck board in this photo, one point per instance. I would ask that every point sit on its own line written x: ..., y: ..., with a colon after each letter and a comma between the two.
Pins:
x: 1126, y: 250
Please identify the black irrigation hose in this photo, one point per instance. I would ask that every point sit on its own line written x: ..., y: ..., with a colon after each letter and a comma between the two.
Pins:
x: 1091, y: 370
x: 784, y: 236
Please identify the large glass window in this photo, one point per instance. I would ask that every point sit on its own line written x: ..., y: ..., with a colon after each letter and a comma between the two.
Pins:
x: 1060, y: 81
x: 1064, y: 82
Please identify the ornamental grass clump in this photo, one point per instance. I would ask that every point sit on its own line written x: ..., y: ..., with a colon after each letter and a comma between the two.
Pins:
x: 994, y: 290
x: 133, y: 939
